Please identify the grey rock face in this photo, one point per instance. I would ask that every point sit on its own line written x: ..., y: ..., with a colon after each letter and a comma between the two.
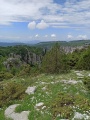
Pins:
x: 12, y: 62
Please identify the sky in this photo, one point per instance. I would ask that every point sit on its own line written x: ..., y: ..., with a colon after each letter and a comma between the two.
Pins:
x: 44, y: 20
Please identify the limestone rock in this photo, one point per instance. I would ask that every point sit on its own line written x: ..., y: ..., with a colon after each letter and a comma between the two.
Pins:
x: 10, y: 113
x: 30, y: 90
x: 80, y: 116
x: 39, y: 106
x: 79, y: 74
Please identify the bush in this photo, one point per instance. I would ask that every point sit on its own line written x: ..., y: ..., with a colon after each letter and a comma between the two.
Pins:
x: 25, y: 70
x: 86, y: 82
x: 5, y: 75
x: 84, y: 61
x: 11, y: 91
x: 63, y: 104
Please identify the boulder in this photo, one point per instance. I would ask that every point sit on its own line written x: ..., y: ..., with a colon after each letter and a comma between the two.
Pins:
x: 10, y: 113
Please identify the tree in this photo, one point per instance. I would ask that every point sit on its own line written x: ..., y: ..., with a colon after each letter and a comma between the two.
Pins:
x: 84, y: 61
x: 55, y: 61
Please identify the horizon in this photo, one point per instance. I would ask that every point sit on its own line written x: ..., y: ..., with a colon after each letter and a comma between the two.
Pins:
x: 38, y: 42
x: 29, y: 21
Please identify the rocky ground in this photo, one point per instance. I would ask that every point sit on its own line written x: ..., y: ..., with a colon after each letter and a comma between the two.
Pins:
x: 53, y: 97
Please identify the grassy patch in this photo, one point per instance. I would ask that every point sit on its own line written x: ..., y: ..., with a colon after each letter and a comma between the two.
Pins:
x: 60, y: 99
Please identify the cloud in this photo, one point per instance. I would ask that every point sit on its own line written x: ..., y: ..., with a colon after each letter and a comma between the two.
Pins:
x: 72, y: 12
x: 69, y: 36
x: 53, y: 35
x: 42, y: 25
x: 82, y: 37
x: 22, y: 10
x: 32, y: 25
x: 36, y: 36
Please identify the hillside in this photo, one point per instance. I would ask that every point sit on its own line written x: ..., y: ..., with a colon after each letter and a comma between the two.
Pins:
x: 64, y: 43
x: 5, y: 44
x: 49, y: 43
x: 44, y: 85
x: 48, y: 97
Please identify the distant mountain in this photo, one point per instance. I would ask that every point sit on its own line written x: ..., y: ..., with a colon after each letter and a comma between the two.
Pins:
x: 63, y: 43
x: 48, y: 44
x: 5, y: 44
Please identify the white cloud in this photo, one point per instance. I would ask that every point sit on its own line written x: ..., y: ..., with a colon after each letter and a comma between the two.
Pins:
x: 22, y: 10
x: 72, y: 12
x: 53, y: 35
x: 32, y: 25
x: 82, y: 37
x: 36, y: 36
x: 42, y: 25
x: 69, y: 36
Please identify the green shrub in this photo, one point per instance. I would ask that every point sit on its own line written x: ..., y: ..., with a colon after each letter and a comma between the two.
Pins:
x: 64, y: 102
x: 84, y: 60
x: 5, y: 75
x: 86, y: 82
x: 11, y: 91
x: 25, y: 70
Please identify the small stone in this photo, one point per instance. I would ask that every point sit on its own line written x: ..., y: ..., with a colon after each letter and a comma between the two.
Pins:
x: 52, y: 82
x: 89, y: 75
x: 30, y: 90
x: 79, y: 74
x: 78, y: 116
x: 69, y: 81
x: 43, y: 107
x: 39, y: 104
x: 44, y: 88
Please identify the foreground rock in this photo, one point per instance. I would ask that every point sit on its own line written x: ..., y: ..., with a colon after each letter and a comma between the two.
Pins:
x: 10, y: 113
x: 79, y: 116
x: 40, y: 106
x: 71, y: 81
x: 30, y: 90
x: 79, y: 74
x: 89, y: 75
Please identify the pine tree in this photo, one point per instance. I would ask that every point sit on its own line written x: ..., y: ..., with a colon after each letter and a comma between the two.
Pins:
x: 84, y: 61
x: 55, y: 60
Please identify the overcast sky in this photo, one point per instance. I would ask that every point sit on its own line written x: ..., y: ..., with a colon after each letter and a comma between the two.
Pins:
x: 45, y: 20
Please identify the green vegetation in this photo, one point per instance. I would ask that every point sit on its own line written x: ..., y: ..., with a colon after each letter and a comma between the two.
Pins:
x: 60, y: 99
x: 11, y: 92
x: 62, y: 82
x: 5, y: 75
x: 86, y: 82
x: 63, y: 43
x: 55, y: 61
x: 84, y: 60
x: 64, y: 105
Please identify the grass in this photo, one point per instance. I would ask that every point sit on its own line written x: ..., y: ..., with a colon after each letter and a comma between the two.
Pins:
x: 49, y: 89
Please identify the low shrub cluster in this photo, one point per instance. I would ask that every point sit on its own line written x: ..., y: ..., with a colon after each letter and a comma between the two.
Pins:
x: 86, y: 82
x: 11, y: 91
x: 5, y: 75
x: 64, y: 105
